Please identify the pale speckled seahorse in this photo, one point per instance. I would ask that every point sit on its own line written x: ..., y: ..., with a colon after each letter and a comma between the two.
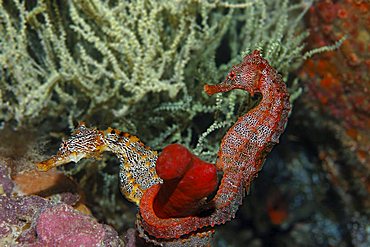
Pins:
x: 137, y: 162
x: 241, y: 155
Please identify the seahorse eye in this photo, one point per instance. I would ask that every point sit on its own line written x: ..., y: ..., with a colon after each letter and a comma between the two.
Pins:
x: 232, y: 75
x: 63, y: 147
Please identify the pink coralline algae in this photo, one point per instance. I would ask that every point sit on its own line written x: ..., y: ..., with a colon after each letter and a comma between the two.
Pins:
x: 62, y: 225
x: 35, y: 221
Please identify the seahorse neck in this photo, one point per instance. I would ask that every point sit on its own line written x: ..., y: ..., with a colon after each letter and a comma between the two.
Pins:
x: 137, y: 164
x: 246, y: 144
x: 275, y: 106
x: 120, y: 147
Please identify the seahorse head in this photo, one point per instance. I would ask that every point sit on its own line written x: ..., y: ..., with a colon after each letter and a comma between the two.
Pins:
x: 245, y: 75
x: 83, y: 143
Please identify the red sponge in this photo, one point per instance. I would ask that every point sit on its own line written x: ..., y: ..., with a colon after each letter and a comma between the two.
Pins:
x: 187, y: 181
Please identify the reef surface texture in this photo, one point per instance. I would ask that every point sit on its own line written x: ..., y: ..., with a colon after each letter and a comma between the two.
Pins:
x: 36, y: 221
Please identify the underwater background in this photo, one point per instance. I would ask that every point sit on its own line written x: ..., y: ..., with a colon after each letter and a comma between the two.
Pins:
x: 140, y: 66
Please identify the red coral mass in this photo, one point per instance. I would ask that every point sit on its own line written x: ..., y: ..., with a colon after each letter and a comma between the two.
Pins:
x: 187, y: 181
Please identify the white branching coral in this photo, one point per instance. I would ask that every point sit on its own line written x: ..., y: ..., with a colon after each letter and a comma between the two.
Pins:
x: 82, y: 57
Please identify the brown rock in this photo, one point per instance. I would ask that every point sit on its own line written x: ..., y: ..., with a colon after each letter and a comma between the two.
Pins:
x: 44, y: 184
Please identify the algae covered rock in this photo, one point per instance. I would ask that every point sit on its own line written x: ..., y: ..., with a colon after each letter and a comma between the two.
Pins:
x: 30, y: 220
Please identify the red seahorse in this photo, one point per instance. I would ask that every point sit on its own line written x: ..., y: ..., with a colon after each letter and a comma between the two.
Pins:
x: 241, y: 155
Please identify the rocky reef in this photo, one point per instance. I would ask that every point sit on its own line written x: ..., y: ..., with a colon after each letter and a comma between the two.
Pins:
x: 31, y: 220
x: 140, y: 66
x: 337, y: 85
